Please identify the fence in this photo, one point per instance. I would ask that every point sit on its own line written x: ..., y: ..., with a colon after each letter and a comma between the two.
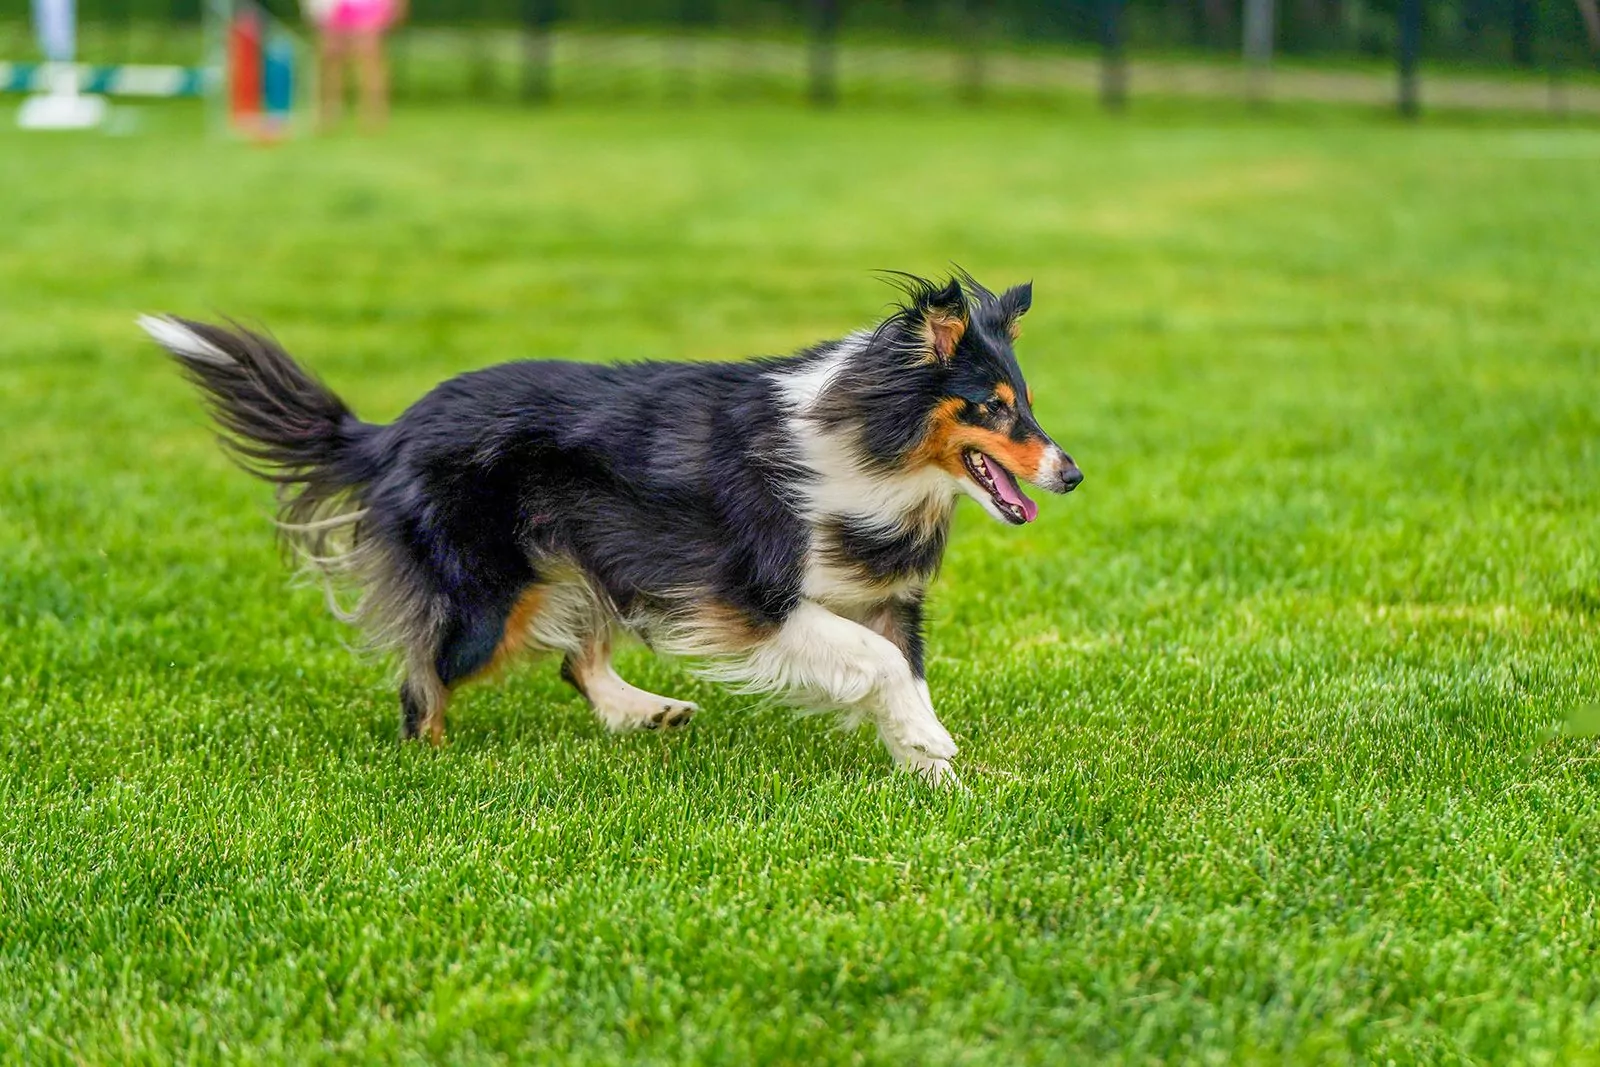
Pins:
x: 1513, y: 54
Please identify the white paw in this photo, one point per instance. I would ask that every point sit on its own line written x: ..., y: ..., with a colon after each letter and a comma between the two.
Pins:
x: 936, y: 772
x: 922, y: 738
x: 657, y: 714
x: 922, y: 746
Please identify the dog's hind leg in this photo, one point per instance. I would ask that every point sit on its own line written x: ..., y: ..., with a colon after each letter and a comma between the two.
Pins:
x: 422, y: 702
x: 617, y: 704
x: 474, y: 639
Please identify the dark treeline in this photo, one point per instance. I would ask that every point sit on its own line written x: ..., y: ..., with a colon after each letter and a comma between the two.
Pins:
x: 1510, y: 32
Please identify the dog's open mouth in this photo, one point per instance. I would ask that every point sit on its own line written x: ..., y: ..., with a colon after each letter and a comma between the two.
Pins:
x: 1001, y: 487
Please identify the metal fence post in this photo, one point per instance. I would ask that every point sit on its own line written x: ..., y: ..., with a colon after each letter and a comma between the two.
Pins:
x: 1590, y: 12
x: 1113, y: 61
x: 537, y: 18
x: 693, y: 16
x: 1410, y: 45
x: 824, y: 89
x: 480, y: 52
x: 1258, y: 32
x: 975, y: 24
x: 1524, y: 23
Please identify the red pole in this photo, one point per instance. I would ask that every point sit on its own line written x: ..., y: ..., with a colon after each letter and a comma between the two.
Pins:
x: 244, y: 66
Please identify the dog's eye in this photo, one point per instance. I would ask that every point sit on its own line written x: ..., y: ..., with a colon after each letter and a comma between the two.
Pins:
x: 996, y: 401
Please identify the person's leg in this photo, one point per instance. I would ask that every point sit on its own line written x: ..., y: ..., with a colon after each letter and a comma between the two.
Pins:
x: 373, y: 70
x: 333, y: 51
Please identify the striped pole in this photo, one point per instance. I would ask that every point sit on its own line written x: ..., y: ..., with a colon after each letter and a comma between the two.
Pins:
x: 115, y: 80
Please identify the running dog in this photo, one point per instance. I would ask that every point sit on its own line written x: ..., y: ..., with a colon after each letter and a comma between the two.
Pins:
x: 776, y: 521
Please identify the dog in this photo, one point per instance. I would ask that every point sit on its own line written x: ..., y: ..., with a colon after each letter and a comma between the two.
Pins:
x: 776, y: 521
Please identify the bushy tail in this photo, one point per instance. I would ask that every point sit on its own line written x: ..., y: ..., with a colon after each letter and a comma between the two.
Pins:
x: 281, y: 424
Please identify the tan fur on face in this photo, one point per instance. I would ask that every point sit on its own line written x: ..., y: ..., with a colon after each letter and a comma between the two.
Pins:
x: 948, y: 437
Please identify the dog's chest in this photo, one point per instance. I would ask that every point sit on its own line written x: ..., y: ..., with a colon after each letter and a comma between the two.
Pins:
x: 853, y: 563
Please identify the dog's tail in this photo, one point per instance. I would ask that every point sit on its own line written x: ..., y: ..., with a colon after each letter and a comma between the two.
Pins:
x: 281, y: 424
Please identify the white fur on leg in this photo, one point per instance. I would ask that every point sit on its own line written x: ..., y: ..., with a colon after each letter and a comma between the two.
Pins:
x: 914, y: 735
x: 822, y: 658
x: 625, y: 707
x: 938, y: 772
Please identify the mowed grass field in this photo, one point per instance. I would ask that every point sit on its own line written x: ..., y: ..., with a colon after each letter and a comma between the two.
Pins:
x: 1262, y: 729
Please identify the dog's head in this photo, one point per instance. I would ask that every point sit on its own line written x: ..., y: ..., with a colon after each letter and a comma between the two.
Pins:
x: 948, y: 395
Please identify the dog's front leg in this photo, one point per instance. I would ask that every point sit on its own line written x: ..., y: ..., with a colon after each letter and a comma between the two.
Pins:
x: 822, y: 656
x: 900, y: 621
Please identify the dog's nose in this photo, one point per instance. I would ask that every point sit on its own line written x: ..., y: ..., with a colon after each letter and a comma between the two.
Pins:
x: 1070, y: 477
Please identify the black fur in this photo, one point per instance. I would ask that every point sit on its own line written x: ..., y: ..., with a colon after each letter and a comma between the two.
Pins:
x: 662, y: 483
x: 412, y: 712
x: 279, y: 421
x: 883, y: 554
x: 904, y: 617
x: 650, y: 477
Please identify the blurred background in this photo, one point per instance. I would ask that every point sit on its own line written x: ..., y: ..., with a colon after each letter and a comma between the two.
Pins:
x: 1522, y: 55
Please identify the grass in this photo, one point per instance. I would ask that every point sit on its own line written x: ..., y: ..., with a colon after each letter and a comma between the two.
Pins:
x: 1261, y: 726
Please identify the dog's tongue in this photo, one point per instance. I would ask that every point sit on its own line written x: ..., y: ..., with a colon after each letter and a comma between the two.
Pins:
x: 1006, y: 486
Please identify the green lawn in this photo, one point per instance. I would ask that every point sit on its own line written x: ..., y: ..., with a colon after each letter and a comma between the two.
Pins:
x: 1261, y: 726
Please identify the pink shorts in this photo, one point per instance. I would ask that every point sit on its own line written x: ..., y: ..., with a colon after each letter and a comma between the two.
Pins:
x: 360, y: 16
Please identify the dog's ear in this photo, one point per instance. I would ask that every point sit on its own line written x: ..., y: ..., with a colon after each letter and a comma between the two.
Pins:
x: 941, y: 316
x: 1014, y: 303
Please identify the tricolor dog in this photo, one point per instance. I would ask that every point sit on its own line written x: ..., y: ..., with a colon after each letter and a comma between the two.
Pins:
x: 775, y: 521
